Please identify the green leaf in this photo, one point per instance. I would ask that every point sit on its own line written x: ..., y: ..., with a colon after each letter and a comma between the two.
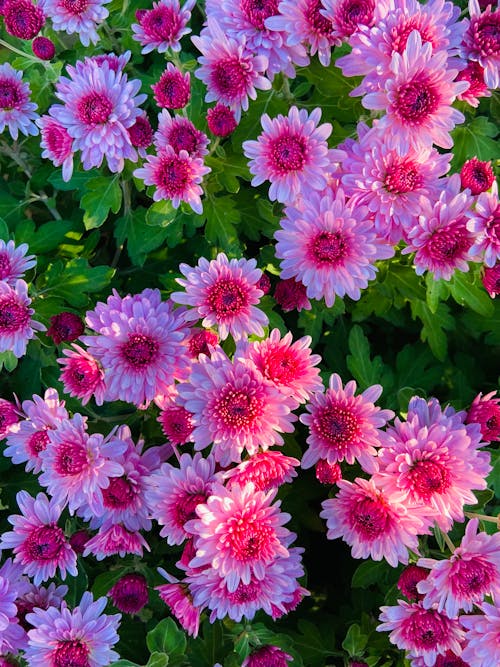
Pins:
x: 102, y: 194
x: 467, y: 292
x: 417, y: 367
x: 494, y: 476
x: 8, y: 361
x: 105, y: 581
x: 167, y: 638
x: 354, y: 642
x: 161, y: 213
x: 46, y: 237
x: 475, y: 138
x: 368, y: 573
x: 158, y: 660
x: 75, y: 279
x: 76, y: 182
x: 141, y: 238
x: 124, y: 663
x: 76, y: 586
x: 4, y: 230
x: 437, y: 290
x: 365, y: 370
x: 434, y: 326
x: 222, y: 214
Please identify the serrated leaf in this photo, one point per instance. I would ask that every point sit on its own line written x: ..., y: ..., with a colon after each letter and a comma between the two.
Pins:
x: 46, y: 237
x: 8, y: 361
x: 102, y: 194
x: 466, y: 292
x: 77, y: 278
x: 354, y: 642
x: 434, y: 326
x: 474, y: 139
x: 77, y: 181
x: 368, y: 573
x: 140, y: 237
x: 222, y: 214
x: 167, y: 638
x: 366, y: 371
x: 158, y: 660
x: 161, y: 213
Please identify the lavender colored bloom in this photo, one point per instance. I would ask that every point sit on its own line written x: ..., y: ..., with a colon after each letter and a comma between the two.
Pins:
x: 113, y: 539
x: 76, y: 16
x: 17, y: 113
x: 57, y: 145
x: 481, y: 638
x: 481, y: 41
x: 181, y: 134
x: 16, y: 326
x: 485, y: 224
x: 163, y: 26
x: 14, y: 262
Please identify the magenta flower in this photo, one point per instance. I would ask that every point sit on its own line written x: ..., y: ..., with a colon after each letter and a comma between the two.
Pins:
x: 409, y: 580
x: 291, y: 153
x: 22, y: 19
x: 57, y: 145
x: 82, y: 17
x: 141, y: 134
x: 173, y: 90
x: 162, y: 27
x: 130, y: 593
x: 65, y: 327
x: 139, y: 343
x: 374, y: 523
x: 290, y: 295
x: 16, y: 326
x: 476, y: 175
x: 221, y: 120
x: 43, y: 48
x: 343, y: 426
x: 14, y: 262
x: 426, y: 633
x: 266, y: 470
x: 176, y: 422
x: 474, y: 75
x: 113, y: 540
x: 82, y: 376
x: 224, y: 292
x: 180, y: 133
x: 9, y: 415
x: 267, y: 655
x: 39, y: 544
x: 481, y: 638
x: 485, y: 411
x: 347, y: 17
x: 17, y: 113
x: 481, y: 41
x: 327, y: 473
x: 81, y: 638
x: 491, y: 280
x: 176, y: 595
x: 485, y: 225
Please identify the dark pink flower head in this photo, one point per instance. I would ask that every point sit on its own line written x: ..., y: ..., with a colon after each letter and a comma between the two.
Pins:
x: 347, y: 16
x: 130, y: 593
x: 357, y: 663
x: 290, y: 294
x: 474, y: 75
x: 16, y: 325
x: 375, y: 524
x: 162, y: 27
x: 39, y: 596
x: 14, y: 262
x: 481, y: 639
x: 82, y: 375
x: 43, y: 48
x: 291, y: 153
x: 485, y: 411
x: 477, y: 176
x: 491, y: 280
x: 481, y: 41
x: 114, y: 539
x: 65, y: 327
x: 267, y: 656
x: 485, y: 225
x: 449, y: 659
x: 141, y: 134
x: 408, y: 580
x: 230, y: 72
x: 115, y: 62
x: 9, y: 415
x: 57, y: 145
x: 224, y: 293
x: 176, y: 423
x: 22, y: 18
x: 177, y: 596
x: 181, y: 134
x: 426, y: 633
x: 80, y: 17
x: 78, y: 540
x: 266, y: 470
x: 328, y: 473
x: 202, y: 341
x: 173, y: 90
x: 221, y: 120
x: 17, y: 112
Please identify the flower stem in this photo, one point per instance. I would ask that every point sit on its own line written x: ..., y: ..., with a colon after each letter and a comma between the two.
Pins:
x: 483, y: 517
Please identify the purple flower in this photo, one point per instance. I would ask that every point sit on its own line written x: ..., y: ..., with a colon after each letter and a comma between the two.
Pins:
x: 16, y: 325
x: 163, y: 26
x: 76, y: 16
x: 17, y: 113
x: 14, y: 262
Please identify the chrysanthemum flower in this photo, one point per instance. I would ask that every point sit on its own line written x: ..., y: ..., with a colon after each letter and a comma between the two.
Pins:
x: 347, y: 16
x: 466, y: 577
x: 266, y: 470
x: 81, y: 17
x: 139, y: 343
x: 141, y: 134
x: 330, y: 246
x: 290, y: 294
x: 474, y: 75
x: 234, y: 408
x: 343, y: 426
x: 99, y: 104
x: 239, y: 533
x: 230, y: 72
x: 485, y: 411
x: 202, y: 341
x: 485, y: 224
x: 39, y: 544
x: 176, y: 422
x: 291, y: 153
x: 57, y: 145
x: 115, y: 540
x: 409, y: 579
x: 476, y: 175
x: 180, y: 133
x: 16, y: 325
x: 176, y: 595
x: 221, y: 120
x: 481, y: 41
x: 22, y: 18
x: 374, y: 523
x: 81, y: 638
x: 17, y: 113
x: 482, y: 648
x: 173, y: 90
x: 43, y: 48
x: 224, y: 292
x: 417, y: 98
x: 82, y: 376
x: 14, y: 262
x: 9, y: 415
x: 38, y: 596
x: 8, y: 609
x: 65, y: 327
x: 130, y: 593
x: 491, y: 280
x: 327, y: 473
x: 162, y: 27
x: 426, y: 633
x: 267, y: 655
x: 13, y: 584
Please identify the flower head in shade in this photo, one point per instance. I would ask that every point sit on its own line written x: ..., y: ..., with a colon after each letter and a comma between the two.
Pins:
x: 328, y: 473
x: 80, y: 17
x: 9, y: 415
x: 43, y: 48
x: 98, y: 106
x: 417, y: 98
x: 173, y: 90
x: 234, y: 408
x: 162, y: 27
x: 38, y: 543
x: 344, y: 426
x: 481, y: 41
x: 130, y: 593
x: 481, y: 638
x: 474, y: 75
x: 65, y: 327
x: 267, y: 655
x: 38, y: 596
x: 201, y: 341
x: 16, y: 325
x: 426, y: 633
x: 224, y: 293
x: 14, y: 262
x: 180, y: 133
x: 230, y: 72
x: 477, y: 176
x: 141, y: 134
x: 176, y: 595
x: 491, y: 280
x: 239, y: 532
x: 139, y: 343
x: 22, y: 18
x: 266, y: 470
x: 115, y: 539
x: 221, y: 120
x: 17, y: 113
x: 485, y: 411
x: 57, y: 145
x: 290, y: 294
x: 330, y: 246
x: 82, y: 638
x: 466, y: 577
x: 82, y: 375
x: 175, y: 176
x: 291, y: 153
x: 375, y: 524
x: 485, y: 224
x: 409, y: 579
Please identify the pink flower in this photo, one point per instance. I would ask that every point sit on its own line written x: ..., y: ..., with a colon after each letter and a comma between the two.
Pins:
x: 230, y: 72
x: 417, y: 98
x: 162, y: 27
x: 43, y: 48
x: 234, y: 408
x: 180, y: 133
x: 81, y: 17
x: 176, y: 595
x: 463, y: 580
x: 266, y: 470
x: 491, y: 280
x: 173, y: 89
x: 347, y: 16
x: 16, y: 325
x: 82, y: 376
x: 141, y: 134
x: 17, y: 113
x: 65, y: 327
x: 22, y: 18
x: 114, y: 539
x: 38, y: 596
x: 57, y: 145
x: 477, y: 176
x: 485, y: 224
x: 291, y: 294
x: 14, y: 262
x: 224, y: 292
x: 80, y: 637
x: 291, y: 153
x: 474, y: 75
x: 482, y: 648
x: 265, y: 656
x: 176, y: 423
x: 427, y: 633
x: 39, y: 544
x: 485, y: 411
x: 221, y: 120
x: 481, y: 42
x: 130, y: 593
x: 202, y: 341
x: 409, y: 579
x: 374, y: 523
x: 343, y: 426
x: 9, y: 415
x: 328, y: 473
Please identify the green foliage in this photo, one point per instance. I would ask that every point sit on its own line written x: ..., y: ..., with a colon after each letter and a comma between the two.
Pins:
x: 167, y: 638
x: 101, y: 195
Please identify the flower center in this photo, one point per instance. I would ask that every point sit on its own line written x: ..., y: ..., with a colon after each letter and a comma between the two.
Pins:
x: 10, y: 95
x: 230, y: 77
x: 76, y: 7
x: 279, y: 366
x: 119, y: 494
x: 244, y: 593
x: 401, y: 33
x: 472, y: 577
x: 355, y: 13
x: 328, y: 247
x: 94, y: 108
x: 140, y: 350
x: 237, y: 409
x: 319, y: 23
x: 415, y: 101
x: 426, y: 629
x: 248, y: 539
x: 13, y: 315
x: 182, y: 137
x: 173, y: 175
x: 369, y: 519
x: 45, y: 543
x: 71, y: 653
x: 186, y: 508
x: 337, y: 426
x: 449, y: 244
x: 288, y: 153
x: 71, y: 459
x: 428, y: 478
x: 38, y: 442
x: 161, y: 23
x: 226, y: 298
x: 402, y: 177
x: 487, y: 34
x: 257, y: 11
x: 83, y: 374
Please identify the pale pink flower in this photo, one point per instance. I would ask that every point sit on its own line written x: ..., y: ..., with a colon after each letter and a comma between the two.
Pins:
x: 177, y: 596
x: 82, y: 375
x: 17, y: 112
x: 485, y: 225
x: 162, y: 27
x: 17, y: 327
x: 14, y: 262
x: 482, y: 648
x: 266, y: 470
x: 80, y: 17
x: 485, y: 411
x: 346, y: 18
x: 481, y: 41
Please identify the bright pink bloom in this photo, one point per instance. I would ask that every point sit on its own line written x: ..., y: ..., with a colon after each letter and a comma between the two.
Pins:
x: 375, y: 524
x: 462, y: 581
x: 141, y: 134
x: 173, y: 90
x: 176, y: 423
x: 482, y: 648
x: 82, y: 376
x: 14, y: 262
x: 427, y: 633
x: 17, y: 113
x: 180, y: 133
x: 224, y: 292
x: 16, y: 326
x: 474, y: 75
x: 22, y: 18
x: 162, y: 27
x: 114, y: 539
x: 409, y: 579
x: 344, y: 427
x: 39, y: 544
x: 485, y: 411
x: 481, y: 41
x: 485, y: 224
x: 176, y: 595
x: 57, y: 144
x: 290, y: 294
x: 202, y: 341
x: 266, y: 470
x: 417, y: 98
x: 9, y: 415
x: 491, y: 280
x: 81, y: 17
x: 65, y: 327
x: 477, y: 176
x: 130, y: 593
x: 43, y: 48
x: 267, y: 656
x: 221, y: 120
x: 80, y: 638
x: 291, y: 153
x: 346, y: 17
x: 328, y: 473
